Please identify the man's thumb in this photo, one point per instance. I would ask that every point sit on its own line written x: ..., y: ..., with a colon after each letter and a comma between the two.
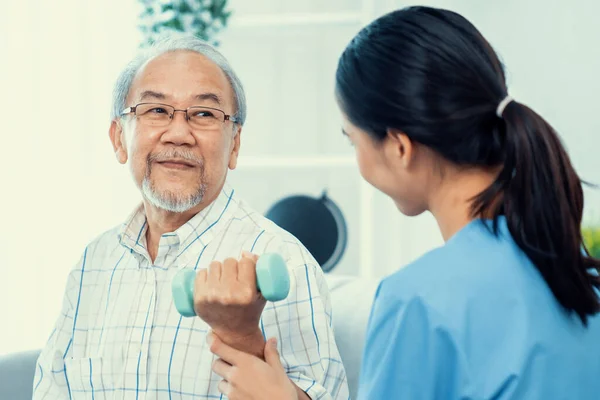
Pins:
x: 272, y: 355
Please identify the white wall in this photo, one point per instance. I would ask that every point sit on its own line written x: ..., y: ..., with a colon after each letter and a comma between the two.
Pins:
x: 62, y: 186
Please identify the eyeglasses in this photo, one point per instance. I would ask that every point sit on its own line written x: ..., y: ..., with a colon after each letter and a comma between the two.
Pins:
x: 159, y: 115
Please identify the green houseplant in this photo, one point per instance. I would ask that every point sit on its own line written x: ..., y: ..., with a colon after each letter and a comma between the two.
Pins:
x: 591, y: 238
x: 203, y: 18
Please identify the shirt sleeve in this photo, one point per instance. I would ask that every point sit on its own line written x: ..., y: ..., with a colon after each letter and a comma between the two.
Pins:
x: 50, y: 382
x: 303, y: 326
x: 410, y: 352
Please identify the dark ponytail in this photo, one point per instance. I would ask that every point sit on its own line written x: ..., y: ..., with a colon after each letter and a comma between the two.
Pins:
x: 542, y: 200
x: 431, y: 74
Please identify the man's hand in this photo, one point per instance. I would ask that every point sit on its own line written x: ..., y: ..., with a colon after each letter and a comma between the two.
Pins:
x: 248, y: 378
x: 227, y: 299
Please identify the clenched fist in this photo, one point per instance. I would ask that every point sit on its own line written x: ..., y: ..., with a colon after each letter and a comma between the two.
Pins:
x: 227, y: 299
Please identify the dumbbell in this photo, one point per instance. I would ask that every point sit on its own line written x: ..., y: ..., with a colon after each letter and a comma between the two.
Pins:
x: 272, y: 280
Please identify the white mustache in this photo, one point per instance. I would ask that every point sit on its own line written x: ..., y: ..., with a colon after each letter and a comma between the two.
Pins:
x: 173, y: 154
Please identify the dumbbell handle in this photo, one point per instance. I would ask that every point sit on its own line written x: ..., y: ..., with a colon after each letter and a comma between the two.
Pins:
x: 272, y: 280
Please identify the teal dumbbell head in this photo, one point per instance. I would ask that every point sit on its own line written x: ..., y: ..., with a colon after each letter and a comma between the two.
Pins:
x: 272, y: 280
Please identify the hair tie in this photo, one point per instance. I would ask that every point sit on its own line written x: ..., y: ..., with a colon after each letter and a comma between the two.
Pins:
x: 507, y: 100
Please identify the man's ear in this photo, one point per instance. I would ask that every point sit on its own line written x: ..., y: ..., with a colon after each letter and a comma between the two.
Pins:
x: 235, y: 147
x: 399, y: 147
x: 117, y: 138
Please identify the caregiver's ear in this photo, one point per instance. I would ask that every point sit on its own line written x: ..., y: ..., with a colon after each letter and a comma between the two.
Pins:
x: 399, y: 146
x: 117, y: 138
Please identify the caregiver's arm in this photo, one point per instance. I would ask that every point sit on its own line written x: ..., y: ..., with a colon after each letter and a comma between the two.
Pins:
x: 409, y: 353
x: 258, y: 369
x: 249, y: 377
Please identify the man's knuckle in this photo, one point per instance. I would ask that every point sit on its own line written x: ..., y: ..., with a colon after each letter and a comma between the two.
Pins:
x: 234, y: 375
x: 214, y: 347
x: 245, y: 296
x: 213, y: 296
x: 229, y: 299
x: 230, y: 262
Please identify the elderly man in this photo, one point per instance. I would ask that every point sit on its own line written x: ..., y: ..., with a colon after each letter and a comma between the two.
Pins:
x: 177, y: 120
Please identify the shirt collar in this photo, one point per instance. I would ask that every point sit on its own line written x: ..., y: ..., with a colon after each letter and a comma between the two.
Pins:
x: 202, y: 227
x: 133, y: 232
x: 192, y: 236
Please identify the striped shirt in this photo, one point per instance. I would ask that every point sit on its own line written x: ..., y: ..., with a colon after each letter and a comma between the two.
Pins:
x: 119, y: 335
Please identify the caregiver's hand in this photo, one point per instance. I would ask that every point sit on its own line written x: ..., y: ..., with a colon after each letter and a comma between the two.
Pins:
x: 246, y: 377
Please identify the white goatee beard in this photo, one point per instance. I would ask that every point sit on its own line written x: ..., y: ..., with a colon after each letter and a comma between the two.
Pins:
x: 170, y: 201
x: 167, y: 200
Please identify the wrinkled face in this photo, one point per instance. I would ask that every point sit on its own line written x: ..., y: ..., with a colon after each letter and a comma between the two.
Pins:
x: 394, y: 166
x: 178, y: 165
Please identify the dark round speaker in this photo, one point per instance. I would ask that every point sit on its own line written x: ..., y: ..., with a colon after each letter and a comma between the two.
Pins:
x: 317, y: 222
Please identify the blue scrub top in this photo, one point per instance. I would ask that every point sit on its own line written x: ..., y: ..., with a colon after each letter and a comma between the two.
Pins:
x: 474, y: 319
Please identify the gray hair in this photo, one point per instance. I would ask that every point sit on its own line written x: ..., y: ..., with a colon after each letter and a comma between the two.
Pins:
x: 172, y: 43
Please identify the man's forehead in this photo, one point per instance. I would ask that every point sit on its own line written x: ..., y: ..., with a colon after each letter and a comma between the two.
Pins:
x: 181, y: 74
x: 149, y: 94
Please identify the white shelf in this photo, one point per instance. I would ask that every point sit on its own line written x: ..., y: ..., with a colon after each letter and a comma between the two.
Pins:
x: 296, y: 162
x: 297, y: 19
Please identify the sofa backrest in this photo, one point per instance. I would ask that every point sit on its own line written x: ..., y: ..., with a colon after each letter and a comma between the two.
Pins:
x: 16, y: 375
x: 351, y: 300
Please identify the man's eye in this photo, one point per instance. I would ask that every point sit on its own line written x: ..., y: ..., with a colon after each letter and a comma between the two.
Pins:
x: 157, y: 110
x: 203, y: 114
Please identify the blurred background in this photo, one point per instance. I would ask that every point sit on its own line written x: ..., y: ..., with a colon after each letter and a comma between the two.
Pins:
x: 62, y: 186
